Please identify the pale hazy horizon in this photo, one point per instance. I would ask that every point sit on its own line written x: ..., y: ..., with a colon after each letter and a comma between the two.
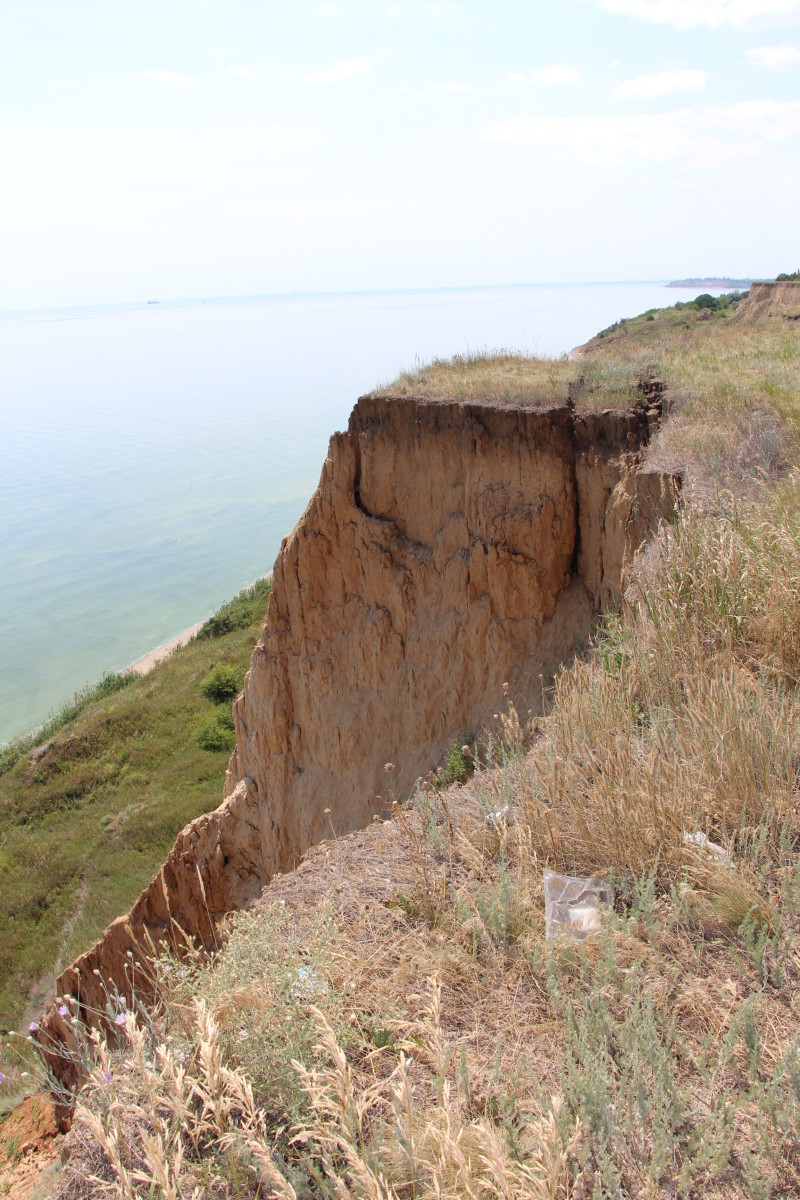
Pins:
x: 232, y: 149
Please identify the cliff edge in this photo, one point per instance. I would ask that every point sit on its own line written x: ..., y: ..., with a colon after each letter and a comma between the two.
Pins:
x: 779, y: 298
x: 450, y: 548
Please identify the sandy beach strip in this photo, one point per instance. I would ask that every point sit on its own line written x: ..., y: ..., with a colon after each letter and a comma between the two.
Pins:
x: 149, y: 660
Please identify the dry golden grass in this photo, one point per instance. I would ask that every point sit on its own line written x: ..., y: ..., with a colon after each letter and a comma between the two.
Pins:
x: 501, y: 376
x: 732, y: 389
x: 507, y: 378
x: 732, y: 392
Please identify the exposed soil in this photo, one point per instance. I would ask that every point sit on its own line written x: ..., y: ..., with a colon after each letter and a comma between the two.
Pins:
x: 30, y: 1149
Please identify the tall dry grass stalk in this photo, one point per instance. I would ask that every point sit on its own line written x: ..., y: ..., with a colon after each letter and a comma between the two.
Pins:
x: 686, y: 717
x: 162, y: 1131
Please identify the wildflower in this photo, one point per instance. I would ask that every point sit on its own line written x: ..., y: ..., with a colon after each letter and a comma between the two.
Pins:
x: 243, y: 1035
x: 119, y: 1019
x: 33, y: 1027
x: 388, y: 767
x: 108, y: 1078
x: 2, y: 1077
x: 63, y: 1011
x: 465, y: 750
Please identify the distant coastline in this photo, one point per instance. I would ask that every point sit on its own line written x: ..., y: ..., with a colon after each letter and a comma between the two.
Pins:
x: 717, y: 282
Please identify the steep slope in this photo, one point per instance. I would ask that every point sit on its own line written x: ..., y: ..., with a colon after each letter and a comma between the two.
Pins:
x: 772, y: 298
x: 450, y: 548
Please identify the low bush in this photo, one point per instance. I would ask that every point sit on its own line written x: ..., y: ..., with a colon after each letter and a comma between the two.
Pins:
x: 239, y: 612
x: 215, y: 734
x: 221, y: 683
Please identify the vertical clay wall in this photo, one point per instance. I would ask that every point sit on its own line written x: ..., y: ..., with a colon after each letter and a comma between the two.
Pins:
x: 449, y: 548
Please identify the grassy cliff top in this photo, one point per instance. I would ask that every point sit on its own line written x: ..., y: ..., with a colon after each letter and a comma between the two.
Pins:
x: 604, y: 373
x: 732, y: 384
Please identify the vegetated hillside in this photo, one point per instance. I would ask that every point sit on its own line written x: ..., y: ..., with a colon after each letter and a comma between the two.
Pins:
x: 390, y: 1019
x: 91, y: 804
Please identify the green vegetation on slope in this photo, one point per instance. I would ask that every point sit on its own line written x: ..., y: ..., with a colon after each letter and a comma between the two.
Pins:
x: 90, y: 807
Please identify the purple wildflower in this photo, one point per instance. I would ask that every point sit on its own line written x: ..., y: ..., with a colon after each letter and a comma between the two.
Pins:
x: 2, y: 1077
x: 119, y: 1019
x: 63, y: 1011
x: 33, y: 1027
x: 108, y: 1077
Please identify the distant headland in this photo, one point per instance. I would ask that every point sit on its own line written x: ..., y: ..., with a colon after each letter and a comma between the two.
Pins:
x: 715, y: 283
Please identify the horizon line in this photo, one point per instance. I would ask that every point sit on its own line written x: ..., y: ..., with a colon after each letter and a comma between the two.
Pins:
x: 252, y: 297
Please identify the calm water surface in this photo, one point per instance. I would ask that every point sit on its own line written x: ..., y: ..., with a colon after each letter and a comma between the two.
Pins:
x: 153, y: 456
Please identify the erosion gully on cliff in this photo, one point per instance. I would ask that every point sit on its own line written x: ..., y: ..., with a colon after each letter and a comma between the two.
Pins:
x: 449, y: 548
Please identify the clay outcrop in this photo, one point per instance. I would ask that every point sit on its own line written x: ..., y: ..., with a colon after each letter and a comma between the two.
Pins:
x: 779, y: 298
x: 450, y: 548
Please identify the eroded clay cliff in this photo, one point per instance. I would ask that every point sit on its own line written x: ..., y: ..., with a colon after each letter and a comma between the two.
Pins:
x: 779, y: 298
x: 450, y: 548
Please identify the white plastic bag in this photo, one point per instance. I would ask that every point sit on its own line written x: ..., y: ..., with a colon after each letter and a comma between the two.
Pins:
x: 575, y: 906
x: 704, y: 842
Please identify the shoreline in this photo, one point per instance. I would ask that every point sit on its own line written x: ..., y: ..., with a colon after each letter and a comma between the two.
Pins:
x: 149, y: 660
x: 142, y: 665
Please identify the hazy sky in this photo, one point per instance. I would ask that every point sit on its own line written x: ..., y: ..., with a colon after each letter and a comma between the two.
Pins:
x: 168, y: 148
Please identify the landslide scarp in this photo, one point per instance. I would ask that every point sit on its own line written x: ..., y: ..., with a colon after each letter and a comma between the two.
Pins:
x: 452, y: 547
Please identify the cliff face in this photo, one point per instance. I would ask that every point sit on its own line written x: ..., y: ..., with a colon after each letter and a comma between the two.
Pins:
x: 449, y: 548
x: 774, y: 298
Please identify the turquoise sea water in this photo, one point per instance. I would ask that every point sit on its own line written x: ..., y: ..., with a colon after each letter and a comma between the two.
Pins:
x: 152, y: 456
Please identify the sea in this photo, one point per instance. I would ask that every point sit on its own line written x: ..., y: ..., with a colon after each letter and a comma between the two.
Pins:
x: 154, y: 454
